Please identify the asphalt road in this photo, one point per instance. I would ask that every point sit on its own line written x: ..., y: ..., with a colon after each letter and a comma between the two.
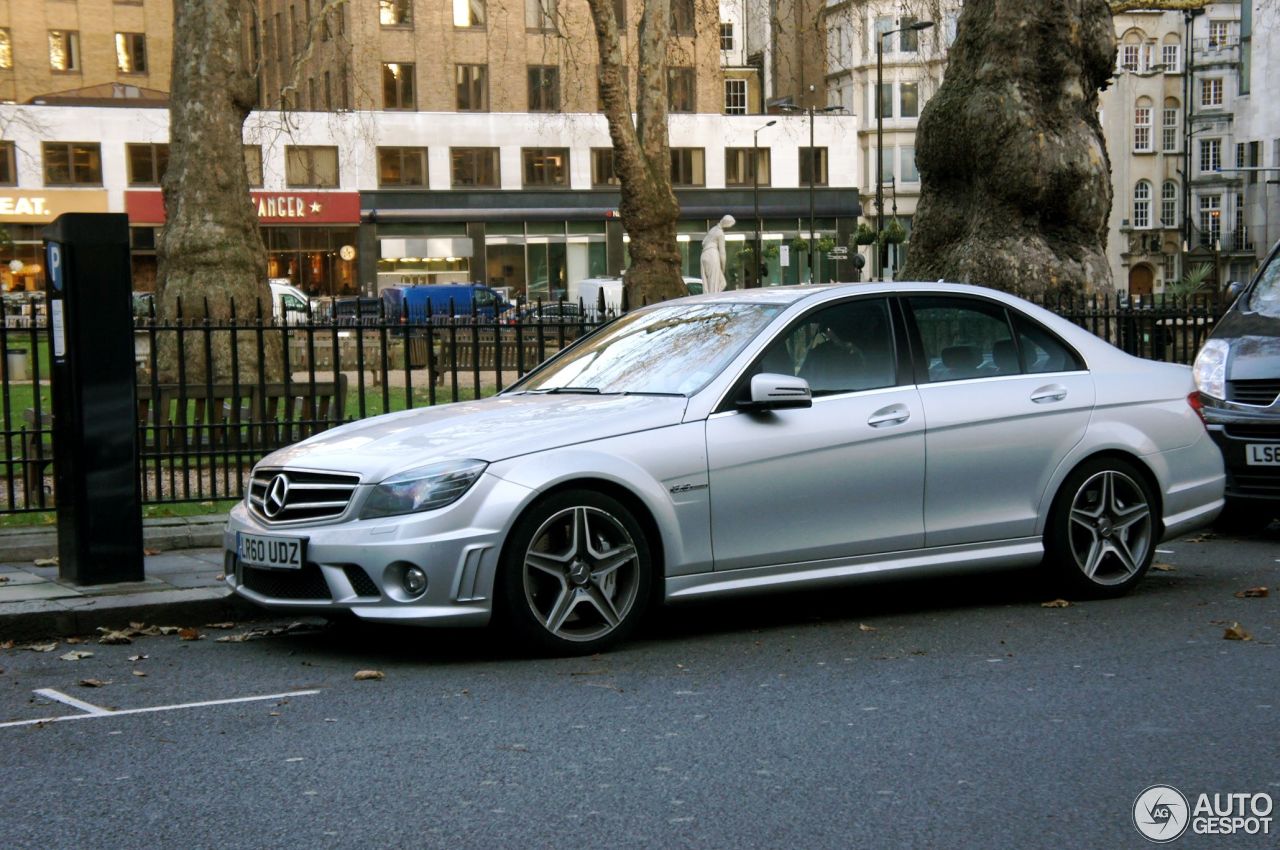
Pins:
x: 957, y: 713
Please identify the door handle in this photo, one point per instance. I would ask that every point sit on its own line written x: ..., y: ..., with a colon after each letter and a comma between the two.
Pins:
x: 894, y: 414
x: 1046, y: 394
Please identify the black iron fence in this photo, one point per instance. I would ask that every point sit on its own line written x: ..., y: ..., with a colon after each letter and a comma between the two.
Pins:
x: 199, y: 435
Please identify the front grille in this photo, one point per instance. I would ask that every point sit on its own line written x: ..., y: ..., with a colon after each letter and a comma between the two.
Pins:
x: 360, y: 581
x: 290, y: 495
x: 1264, y: 431
x: 306, y: 583
x: 1261, y: 393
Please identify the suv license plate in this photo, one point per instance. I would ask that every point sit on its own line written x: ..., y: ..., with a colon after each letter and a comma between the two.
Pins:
x: 1262, y: 454
x: 279, y: 553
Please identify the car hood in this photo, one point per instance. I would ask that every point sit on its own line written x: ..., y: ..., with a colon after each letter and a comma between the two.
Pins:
x: 1255, y: 345
x: 491, y: 429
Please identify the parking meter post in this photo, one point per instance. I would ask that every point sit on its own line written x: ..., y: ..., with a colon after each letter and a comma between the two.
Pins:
x: 95, y: 433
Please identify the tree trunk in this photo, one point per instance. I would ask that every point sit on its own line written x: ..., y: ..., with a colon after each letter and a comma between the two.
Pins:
x: 1015, y: 180
x: 641, y: 151
x: 210, y: 253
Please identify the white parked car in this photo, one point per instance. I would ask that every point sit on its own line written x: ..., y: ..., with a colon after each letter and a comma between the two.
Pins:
x: 743, y: 442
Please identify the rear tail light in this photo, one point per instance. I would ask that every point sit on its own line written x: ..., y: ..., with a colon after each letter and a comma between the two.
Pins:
x: 1198, y: 406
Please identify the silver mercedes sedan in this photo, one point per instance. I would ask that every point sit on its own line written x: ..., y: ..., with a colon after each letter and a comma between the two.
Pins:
x: 741, y: 442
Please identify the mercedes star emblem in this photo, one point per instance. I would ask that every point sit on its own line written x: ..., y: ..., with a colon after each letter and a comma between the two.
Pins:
x: 277, y: 495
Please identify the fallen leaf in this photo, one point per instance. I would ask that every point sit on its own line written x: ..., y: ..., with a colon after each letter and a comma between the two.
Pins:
x: 163, y: 630
x: 46, y: 562
x: 1253, y: 593
x: 139, y: 657
x: 112, y: 638
x: 367, y: 675
x: 3, y: 579
x: 1163, y: 568
x: 273, y: 714
x: 42, y: 647
x: 220, y: 577
x: 151, y: 551
x: 1235, y: 631
x: 6, y: 644
x: 94, y: 683
x: 188, y: 634
x: 140, y: 674
x: 219, y: 625
x: 75, y: 641
x: 1056, y: 603
x: 240, y: 638
x: 76, y: 655
x: 863, y: 627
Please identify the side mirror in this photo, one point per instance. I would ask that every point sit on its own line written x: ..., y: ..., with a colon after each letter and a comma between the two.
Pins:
x: 1233, y: 290
x: 771, y: 391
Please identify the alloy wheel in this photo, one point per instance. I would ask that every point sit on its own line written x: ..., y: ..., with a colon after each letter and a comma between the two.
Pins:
x: 1110, y: 528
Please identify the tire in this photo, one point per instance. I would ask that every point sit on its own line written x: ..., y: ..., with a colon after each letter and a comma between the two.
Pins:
x: 577, y: 574
x: 1102, y: 530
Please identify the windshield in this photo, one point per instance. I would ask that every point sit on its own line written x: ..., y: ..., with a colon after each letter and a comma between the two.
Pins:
x: 1265, y: 297
x: 672, y: 350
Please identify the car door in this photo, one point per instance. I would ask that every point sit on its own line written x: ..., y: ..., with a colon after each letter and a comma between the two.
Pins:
x: 842, y: 478
x: 1004, y: 401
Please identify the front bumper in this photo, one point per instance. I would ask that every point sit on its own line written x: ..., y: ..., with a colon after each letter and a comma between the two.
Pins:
x: 1233, y: 429
x: 357, y: 566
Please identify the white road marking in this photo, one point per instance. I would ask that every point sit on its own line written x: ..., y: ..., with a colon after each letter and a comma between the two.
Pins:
x: 97, y: 712
x: 50, y: 693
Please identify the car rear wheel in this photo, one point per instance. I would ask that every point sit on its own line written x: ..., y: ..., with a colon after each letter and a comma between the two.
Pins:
x: 577, y: 573
x: 1102, y: 529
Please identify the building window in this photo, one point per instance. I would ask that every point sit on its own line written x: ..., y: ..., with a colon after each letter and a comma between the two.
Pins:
x: 395, y: 13
x: 8, y: 165
x: 908, y: 39
x: 475, y: 167
x: 6, y: 49
x: 688, y: 167
x: 308, y: 167
x: 1169, y: 128
x: 682, y: 17
x: 253, y: 164
x: 1142, y: 205
x: 397, y: 86
x: 910, y: 174
x: 1210, y: 155
x: 1169, y: 204
x: 884, y: 103
x: 1171, y: 58
x: 1211, y: 91
x: 735, y: 97
x: 1218, y: 34
x: 72, y: 163
x: 546, y: 167
x: 738, y: 170
x: 680, y: 90
x: 131, y: 53
x: 888, y: 163
x: 402, y: 166
x: 544, y: 88
x: 1210, y: 220
x: 1129, y: 57
x: 64, y: 50
x: 602, y: 171
x: 1240, y: 235
x: 909, y: 100
x: 147, y: 164
x: 726, y: 35
x: 540, y: 15
x: 473, y: 88
x: 468, y: 13
x: 1142, y: 129
x: 813, y: 166
x: 882, y: 25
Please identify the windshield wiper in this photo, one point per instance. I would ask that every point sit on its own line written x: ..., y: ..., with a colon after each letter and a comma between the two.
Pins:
x: 651, y: 392
x: 557, y: 390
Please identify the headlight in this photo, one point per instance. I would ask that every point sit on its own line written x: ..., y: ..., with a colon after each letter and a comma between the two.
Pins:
x: 1210, y: 371
x: 423, y: 489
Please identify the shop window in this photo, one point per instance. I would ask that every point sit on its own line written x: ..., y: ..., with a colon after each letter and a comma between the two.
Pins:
x: 311, y: 167
x: 72, y: 163
x: 544, y: 88
x: 682, y: 17
x: 468, y: 13
x: 147, y: 164
x: 738, y: 170
x: 813, y: 166
x: 395, y: 13
x: 602, y: 170
x: 397, y: 86
x: 546, y: 167
x: 64, y: 50
x: 8, y: 165
x: 475, y: 168
x: 473, y: 88
x: 402, y: 166
x: 680, y: 89
x: 253, y: 164
x: 688, y: 167
x: 131, y: 53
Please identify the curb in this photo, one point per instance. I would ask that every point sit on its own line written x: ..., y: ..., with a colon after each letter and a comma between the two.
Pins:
x: 163, y: 533
x: 192, y: 607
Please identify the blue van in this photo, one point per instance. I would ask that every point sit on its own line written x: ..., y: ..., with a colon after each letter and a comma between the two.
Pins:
x: 413, y: 303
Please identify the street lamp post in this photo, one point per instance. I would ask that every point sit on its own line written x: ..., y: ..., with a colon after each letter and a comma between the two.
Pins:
x: 755, y: 191
x: 813, y: 169
x: 913, y: 27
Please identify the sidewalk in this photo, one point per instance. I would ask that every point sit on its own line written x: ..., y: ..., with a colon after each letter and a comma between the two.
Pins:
x: 180, y: 588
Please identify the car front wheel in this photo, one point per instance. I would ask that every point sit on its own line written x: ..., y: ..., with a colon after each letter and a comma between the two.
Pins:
x: 1102, y: 530
x: 577, y: 573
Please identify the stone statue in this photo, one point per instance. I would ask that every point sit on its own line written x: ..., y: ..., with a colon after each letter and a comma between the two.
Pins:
x: 713, y: 256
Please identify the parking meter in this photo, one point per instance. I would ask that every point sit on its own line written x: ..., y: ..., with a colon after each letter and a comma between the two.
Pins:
x: 95, y: 427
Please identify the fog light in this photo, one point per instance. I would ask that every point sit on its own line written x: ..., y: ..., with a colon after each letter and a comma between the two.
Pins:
x: 414, y: 581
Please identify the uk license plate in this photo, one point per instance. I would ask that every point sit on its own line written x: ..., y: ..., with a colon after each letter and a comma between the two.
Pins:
x: 1262, y: 454
x: 277, y: 553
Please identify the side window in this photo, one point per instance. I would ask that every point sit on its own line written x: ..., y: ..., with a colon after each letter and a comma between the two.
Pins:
x: 843, y: 348
x: 292, y: 304
x: 964, y: 338
x: 1044, y: 352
